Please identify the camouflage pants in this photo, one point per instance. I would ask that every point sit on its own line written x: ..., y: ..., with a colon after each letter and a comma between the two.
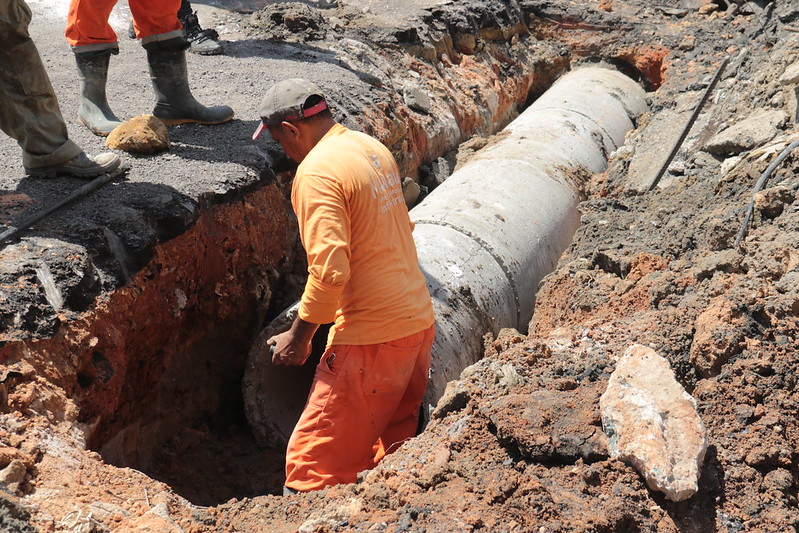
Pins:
x: 29, y: 112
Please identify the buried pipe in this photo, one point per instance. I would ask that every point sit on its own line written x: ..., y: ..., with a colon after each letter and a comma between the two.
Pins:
x: 485, y: 237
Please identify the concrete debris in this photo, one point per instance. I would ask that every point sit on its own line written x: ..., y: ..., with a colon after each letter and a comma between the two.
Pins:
x: 144, y: 134
x: 652, y: 423
x: 410, y: 191
x: 13, y: 475
x: 79, y: 521
x: 417, y: 98
x: 750, y: 133
x: 455, y: 398
x: 791, y: 75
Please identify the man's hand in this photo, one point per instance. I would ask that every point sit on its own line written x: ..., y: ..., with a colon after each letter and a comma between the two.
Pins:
x: 293, y: 347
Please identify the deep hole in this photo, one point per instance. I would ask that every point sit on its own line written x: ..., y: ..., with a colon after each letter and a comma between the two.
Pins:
x: 191, y: 432
x: 207, y: 455
x: 85, y: 381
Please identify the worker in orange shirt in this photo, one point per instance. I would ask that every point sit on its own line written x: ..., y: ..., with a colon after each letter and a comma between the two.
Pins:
x: 364, y: 277
x: 156, y: 22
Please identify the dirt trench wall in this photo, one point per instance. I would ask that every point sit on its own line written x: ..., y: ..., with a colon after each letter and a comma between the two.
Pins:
x: 163, y: 341
x: 165, y: 347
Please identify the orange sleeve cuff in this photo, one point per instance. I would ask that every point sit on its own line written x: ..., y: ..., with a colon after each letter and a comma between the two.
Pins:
x: 319, y: 302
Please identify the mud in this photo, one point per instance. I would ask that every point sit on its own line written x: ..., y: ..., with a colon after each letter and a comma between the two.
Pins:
x: 129, y: 368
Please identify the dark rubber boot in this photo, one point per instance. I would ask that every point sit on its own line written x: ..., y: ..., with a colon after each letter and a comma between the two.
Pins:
x: 94, y: 112
x: 174, y: 103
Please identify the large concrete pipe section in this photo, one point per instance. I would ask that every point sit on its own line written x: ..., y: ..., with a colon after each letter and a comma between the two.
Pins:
x: 488, y: 235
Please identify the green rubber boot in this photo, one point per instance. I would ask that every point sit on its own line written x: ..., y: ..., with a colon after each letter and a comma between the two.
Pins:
x: 94, y: 112
x: 174, y: 102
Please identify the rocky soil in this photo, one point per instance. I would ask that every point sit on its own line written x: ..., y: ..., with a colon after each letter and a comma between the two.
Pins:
x: 517, y: 443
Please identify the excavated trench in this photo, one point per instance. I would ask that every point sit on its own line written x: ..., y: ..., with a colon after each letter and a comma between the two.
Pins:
x: 152, y: 374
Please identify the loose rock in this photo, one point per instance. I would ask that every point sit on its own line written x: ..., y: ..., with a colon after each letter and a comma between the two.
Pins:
x: 13, y: 475
x: 771, y: 202
x: 652, y: 423
x: 144, y: 134
x: 750, y: 133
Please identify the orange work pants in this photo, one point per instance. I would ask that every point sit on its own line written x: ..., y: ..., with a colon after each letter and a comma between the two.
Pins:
x: 364, y: 402
x: 87, y: 22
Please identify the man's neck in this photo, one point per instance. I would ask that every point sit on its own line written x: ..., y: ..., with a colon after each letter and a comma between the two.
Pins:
x: 316, y: 133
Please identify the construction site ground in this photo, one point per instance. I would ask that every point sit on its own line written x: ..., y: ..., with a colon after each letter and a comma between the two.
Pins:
x: 127, y: 316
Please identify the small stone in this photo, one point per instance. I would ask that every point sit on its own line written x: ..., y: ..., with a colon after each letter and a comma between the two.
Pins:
x: 778, y: 479
x: 13, y: 475
x: 706, y: 9
x: 455, y: 398
x: 417, y: 98
x: 791, y: 75
x: 744, y: 413
x: 652, y: 423
x: 688, y: 43
x: 144, y: 134
x: 771, y: 202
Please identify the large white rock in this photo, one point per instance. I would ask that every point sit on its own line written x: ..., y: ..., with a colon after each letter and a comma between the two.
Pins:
x: 652, y: 423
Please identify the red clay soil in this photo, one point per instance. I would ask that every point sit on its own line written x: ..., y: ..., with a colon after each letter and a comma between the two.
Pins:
x: 516, y: 444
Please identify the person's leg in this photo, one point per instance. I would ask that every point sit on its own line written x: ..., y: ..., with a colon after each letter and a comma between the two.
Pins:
x: 94, y: 111
x: 87, y: 24
x: 405, y: 421
x: 185, y: 9
x: 30, y: 113
x: 93, y: 41
x: 355, y: 393
x: 175, y: 103
x: 156, y: 20
x: 203, y: 42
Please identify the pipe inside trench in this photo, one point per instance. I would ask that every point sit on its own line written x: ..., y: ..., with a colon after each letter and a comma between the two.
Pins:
x: 487, y: 236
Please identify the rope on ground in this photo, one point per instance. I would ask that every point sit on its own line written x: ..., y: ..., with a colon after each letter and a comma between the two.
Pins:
x: 759, y: 185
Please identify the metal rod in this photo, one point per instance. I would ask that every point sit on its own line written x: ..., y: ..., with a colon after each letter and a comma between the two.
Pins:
x: 691, y: 121
x: 93, y: 185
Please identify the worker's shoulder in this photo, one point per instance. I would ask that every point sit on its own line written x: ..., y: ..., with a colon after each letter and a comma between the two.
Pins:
x: 347, y: 137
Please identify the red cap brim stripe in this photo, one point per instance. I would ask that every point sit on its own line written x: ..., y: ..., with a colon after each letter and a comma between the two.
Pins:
x: 259, y: 131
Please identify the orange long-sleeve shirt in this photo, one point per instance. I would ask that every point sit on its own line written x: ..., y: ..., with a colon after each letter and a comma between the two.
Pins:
x: 363, y: 273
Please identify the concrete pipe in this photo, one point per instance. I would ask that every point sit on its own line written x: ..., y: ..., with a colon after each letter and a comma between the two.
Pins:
x: 489, y: 234
x: 516, y: 202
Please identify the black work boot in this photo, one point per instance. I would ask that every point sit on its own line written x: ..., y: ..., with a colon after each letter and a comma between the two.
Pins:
x: 174, y: 103
x: 203, y: 42
x: 94, y: 112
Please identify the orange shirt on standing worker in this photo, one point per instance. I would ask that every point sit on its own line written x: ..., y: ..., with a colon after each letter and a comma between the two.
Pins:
x: 362, y: 265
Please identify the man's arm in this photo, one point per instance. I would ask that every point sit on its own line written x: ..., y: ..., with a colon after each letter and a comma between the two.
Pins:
x: 325, y: 229
x: 293, y: 347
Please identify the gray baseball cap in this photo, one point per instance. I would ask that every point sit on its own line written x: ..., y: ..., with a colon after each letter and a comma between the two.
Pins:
x: 284, y: 101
